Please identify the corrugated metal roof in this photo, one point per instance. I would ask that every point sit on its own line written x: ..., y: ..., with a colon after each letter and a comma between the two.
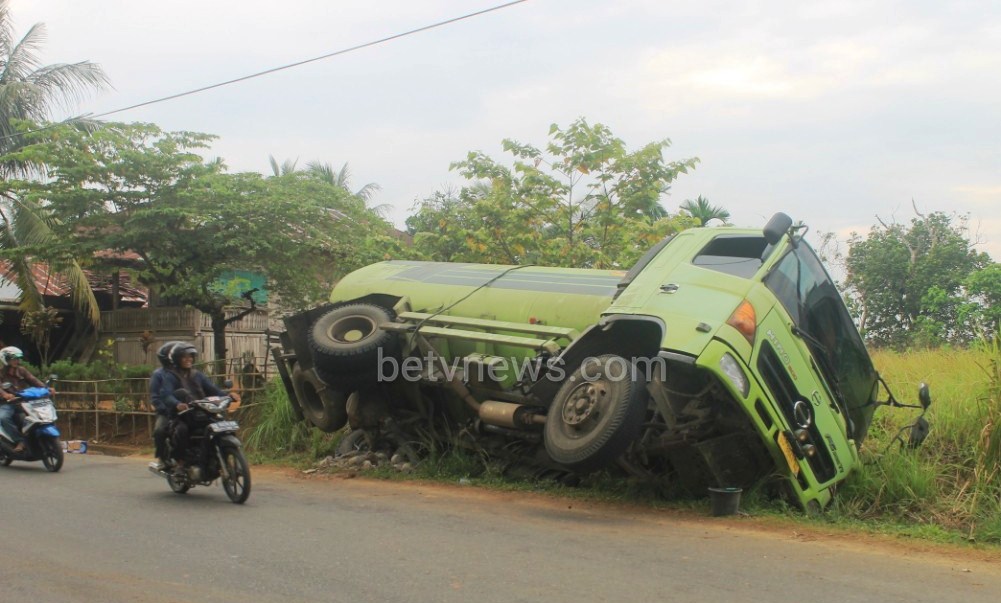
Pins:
x: 54, y: 285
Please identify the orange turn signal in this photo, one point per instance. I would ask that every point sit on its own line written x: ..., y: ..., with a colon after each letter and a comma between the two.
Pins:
x: 744, y: 320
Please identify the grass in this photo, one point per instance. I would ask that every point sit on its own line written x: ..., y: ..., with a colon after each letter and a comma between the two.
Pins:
x: 948, y: 490
x: 951, y: 483
x: 278, y: 435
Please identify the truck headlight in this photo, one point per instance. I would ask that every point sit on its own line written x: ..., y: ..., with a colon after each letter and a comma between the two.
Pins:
x: 731, y: 368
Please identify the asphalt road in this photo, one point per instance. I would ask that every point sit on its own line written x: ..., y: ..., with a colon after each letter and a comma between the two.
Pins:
x: 106, y: 530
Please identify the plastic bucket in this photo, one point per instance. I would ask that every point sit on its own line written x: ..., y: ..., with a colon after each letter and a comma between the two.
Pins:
x: 724, y: 501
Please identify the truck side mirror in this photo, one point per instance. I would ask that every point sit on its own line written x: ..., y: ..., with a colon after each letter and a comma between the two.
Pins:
x: 777, y: 227
x: 924, y: 395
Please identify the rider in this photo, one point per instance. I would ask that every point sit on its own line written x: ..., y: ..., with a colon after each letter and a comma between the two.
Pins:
x: 19, y: 378
x: 162, y: 412
x: 182, y: 375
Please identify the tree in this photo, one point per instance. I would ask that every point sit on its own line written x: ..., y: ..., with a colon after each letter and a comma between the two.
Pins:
x: 133, y: 189
x: 28, y: 94
x: 908, y: 280
x: 341, y: 179
x: 983, y: 309
x: 29, y: 91
x: 583, y: 201
x: 284, y: 168
x: 703, y: 211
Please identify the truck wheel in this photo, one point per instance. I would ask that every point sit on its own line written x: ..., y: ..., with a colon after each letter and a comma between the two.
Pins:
x: 293, y: 401
x: 347, y: 339
x: 596, y: 414
x: 321, y: 405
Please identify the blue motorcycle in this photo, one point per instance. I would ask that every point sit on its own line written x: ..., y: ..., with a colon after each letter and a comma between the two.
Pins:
x: 38, y: 428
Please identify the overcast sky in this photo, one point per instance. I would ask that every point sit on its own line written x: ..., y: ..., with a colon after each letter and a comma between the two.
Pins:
x: 833, y: 112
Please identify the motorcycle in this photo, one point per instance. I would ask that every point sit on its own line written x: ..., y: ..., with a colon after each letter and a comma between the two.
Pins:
x: 38, y: 428
x: 214, y: 451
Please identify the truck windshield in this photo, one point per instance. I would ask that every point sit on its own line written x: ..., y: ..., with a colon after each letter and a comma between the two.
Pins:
x: 804, y: 288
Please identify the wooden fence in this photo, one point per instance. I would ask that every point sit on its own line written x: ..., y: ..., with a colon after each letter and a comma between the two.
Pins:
x: 115, y: 409
x: 138, y: 332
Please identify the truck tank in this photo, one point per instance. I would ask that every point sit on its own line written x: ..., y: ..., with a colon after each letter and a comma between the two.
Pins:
x: 566, y: 297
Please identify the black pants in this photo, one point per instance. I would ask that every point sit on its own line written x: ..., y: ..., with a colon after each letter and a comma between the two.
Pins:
x: 180, y: 438
x: 160, y: 433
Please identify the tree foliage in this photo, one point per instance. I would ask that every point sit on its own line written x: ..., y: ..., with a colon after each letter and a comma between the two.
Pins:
x: 910, y: 282
x: 584, y: 201
x: 704, y: 211
x: 31, y: 91
x: 134, y: 197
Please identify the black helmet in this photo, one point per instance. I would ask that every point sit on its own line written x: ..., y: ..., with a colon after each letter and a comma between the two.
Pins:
x: 182, y: 348
x: 163, y: 354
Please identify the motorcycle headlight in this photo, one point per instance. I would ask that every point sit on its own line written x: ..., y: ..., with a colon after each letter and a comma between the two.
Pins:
x: 731, y: 368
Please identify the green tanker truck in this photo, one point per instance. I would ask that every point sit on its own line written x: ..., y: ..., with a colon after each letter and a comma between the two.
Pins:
x: 724, y: 358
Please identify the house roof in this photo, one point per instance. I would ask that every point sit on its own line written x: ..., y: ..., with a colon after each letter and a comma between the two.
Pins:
x: 55, y: 285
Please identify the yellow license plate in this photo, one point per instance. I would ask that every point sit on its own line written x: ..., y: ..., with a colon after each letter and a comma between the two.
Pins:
x: 787, y: 451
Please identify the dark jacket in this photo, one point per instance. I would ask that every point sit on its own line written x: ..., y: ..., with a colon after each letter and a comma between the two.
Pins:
x: 155, y: 395
x: 197, y: 384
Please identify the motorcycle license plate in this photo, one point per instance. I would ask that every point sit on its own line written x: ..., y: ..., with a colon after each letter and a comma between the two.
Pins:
x: 223, y: 426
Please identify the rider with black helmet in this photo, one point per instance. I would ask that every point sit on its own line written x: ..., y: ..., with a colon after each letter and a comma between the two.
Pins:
x: 156, y: 382
x: 180, y: 374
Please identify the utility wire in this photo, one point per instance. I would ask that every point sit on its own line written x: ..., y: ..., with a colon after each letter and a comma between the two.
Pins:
x: 274, y: 69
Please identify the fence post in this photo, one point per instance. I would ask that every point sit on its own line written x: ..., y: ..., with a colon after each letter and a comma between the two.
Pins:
x: 97, y: 414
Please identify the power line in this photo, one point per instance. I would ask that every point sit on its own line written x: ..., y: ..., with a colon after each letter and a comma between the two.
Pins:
x: 274, y: 69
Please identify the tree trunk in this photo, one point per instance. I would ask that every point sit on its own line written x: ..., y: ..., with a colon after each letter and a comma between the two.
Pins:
x: 219, y: 323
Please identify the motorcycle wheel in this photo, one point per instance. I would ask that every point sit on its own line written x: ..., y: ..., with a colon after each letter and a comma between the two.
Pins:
x: 5, y: 460
x: 179, y: 487
x: 236, y: 483
x: 52, y: 454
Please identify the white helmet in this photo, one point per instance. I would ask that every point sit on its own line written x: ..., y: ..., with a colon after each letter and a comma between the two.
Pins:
x: 8, y: 353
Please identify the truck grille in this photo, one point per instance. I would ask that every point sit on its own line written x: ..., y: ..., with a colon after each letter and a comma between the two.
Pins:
x: 785, y: 394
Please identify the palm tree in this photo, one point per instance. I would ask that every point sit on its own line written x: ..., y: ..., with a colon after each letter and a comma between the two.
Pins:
x: 286, y: 167
x: 30, y: 91
x: 703, y: 211
x: 342, y: 180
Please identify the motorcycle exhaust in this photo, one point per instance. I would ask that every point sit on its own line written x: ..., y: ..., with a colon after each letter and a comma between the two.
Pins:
x: 508, y: 414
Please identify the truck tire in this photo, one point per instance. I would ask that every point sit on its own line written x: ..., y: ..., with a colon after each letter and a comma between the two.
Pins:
x: 321, y: 405
x: 347, y: 339
x: 596, y: 414
x: 293, y: 400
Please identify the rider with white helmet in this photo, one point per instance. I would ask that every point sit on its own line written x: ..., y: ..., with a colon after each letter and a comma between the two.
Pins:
x: 19, y: 378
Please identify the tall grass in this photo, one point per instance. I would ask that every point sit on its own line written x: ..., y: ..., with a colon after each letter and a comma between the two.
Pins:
x: 278, y: 433
x: 952, y: 481
x: 277, y: 430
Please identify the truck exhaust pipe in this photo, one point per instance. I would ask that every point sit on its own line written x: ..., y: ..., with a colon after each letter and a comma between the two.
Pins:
x: 508, y: 414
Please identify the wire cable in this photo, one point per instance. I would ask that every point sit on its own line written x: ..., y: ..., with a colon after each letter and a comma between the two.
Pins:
x: 273, y: 69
